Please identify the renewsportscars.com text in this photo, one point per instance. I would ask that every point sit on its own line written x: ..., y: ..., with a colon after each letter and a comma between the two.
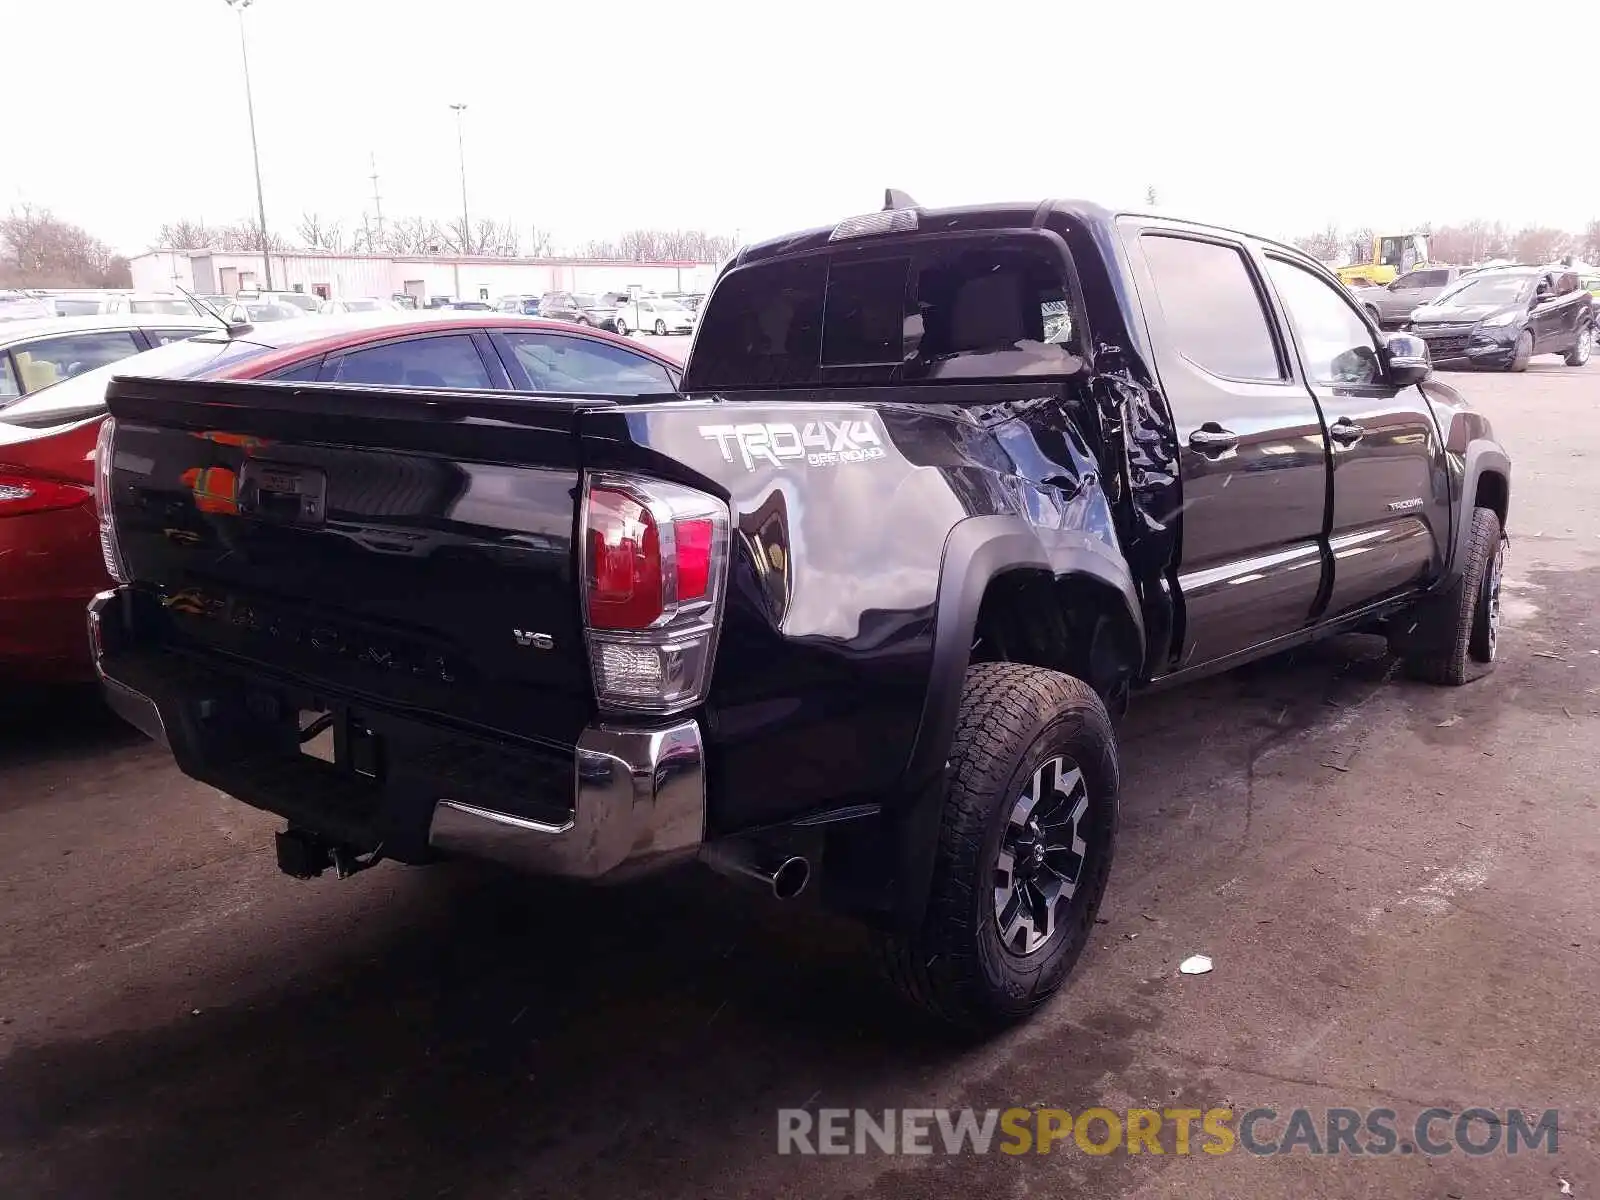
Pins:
x: 1373, y: 1132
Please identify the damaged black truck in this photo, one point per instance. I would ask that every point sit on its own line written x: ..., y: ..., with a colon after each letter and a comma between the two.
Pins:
x: 858, y: 608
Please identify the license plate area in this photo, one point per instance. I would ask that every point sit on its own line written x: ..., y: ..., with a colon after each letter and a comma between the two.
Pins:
x: 282, y: 492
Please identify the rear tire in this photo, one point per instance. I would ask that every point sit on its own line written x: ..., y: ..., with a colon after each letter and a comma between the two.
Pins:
x: 661, y: 328
x: 1024, y: 853
x: 1523, y: 352
x: 622, y: 327
x: 1453, y: 638
x: 1579, y: 354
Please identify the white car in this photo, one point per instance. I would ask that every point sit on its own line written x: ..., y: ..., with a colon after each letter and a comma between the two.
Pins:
x: 256, y: 312
x: 358, y: 304
x: 654, y: 315
x: 40, y: 353
x: 91, y: 302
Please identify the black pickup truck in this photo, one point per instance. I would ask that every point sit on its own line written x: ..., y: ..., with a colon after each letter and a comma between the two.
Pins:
x: 860, y: 606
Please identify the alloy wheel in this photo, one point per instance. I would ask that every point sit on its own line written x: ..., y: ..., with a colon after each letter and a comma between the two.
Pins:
x: 1041, y: 858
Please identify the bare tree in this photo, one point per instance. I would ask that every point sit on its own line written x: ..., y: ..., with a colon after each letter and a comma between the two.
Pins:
x: 245, y: 236
x: 38, y: 249
x: 318, y: 234
x: 186, y: 233
x: 1589, y: 243
x: 1540, y: 244
x: 1150, y: 196
x: 1326, y: 246
x: 540, y: 243
x: 496, y: 239
x: 417, y: 235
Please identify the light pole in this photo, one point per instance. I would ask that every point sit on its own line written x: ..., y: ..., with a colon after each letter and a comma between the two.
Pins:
x: 461, y: 153
x: 239, y: 6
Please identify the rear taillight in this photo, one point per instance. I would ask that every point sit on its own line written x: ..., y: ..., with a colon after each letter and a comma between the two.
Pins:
x: 655, y: 558
x: 23, y: 494
x: 103, y: 454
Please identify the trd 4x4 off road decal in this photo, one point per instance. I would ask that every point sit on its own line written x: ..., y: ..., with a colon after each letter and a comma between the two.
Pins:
x: 818, y: 443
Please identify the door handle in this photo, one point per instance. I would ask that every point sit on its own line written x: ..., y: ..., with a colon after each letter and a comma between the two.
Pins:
x: 1345, y: 431
x: 1211, y: 438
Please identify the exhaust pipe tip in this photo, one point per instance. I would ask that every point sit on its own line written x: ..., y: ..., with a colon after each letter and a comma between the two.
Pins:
x: 790, y: 879
x: 784, y: 875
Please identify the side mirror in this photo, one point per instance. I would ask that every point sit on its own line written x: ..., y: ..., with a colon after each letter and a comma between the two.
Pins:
x: 1406, y: 358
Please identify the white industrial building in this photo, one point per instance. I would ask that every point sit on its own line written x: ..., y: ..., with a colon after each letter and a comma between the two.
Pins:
x: 210, y: 272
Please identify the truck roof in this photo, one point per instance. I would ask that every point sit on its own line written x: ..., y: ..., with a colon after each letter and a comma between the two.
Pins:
x: 1002, y: 215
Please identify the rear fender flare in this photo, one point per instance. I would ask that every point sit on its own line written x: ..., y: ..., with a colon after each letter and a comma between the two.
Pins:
x: 1482, y: 457
x: 978, y: 550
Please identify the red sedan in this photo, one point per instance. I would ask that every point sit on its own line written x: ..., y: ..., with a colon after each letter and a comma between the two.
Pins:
x: 50, y: 563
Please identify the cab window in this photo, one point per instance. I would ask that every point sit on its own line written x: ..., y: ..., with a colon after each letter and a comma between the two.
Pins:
x: 1335, y: 344
x: 1212, y: 309
x: 984, y: 308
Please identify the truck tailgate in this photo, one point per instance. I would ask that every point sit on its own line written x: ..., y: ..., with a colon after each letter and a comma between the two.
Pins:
x: 414, y: 549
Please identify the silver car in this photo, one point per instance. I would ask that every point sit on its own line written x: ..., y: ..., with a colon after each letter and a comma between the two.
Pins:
x: 36, y: 354
x: 1390, y: 306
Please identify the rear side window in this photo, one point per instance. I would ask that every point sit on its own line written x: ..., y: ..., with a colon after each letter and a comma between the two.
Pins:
x: 50, y: 360
x: 8, y: 378
x: 451, y: 361
x: 1212, y: 309
x: 160, y: 337
x: 555, y: 363
x: 84, y: 395
x: 973, y: 308
x: 1422, y: 279
x: 305, y: 372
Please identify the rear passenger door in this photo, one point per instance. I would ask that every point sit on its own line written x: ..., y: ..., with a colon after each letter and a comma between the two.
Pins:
x: 1391, y: 503
x: 1251, y: 443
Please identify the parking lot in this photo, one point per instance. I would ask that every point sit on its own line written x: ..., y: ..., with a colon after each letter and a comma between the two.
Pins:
x: 1395, y: 883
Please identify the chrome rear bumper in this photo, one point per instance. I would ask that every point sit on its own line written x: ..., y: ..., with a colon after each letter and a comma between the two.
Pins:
x: 638, y: 795
x: 639, y: 798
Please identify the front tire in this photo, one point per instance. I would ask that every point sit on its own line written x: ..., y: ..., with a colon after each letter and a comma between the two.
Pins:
x: 661, y: 328
x: 1453, y: 638
x: 1522, y: 353
x: 1024, y: 852
x: 1579, y: 354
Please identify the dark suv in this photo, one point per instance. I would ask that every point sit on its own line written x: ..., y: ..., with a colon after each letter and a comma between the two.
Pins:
x: 1502, y: 317
x: 580, y: 309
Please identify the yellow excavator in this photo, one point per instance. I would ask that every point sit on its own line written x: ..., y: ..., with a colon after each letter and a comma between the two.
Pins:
x: 1393, y: 254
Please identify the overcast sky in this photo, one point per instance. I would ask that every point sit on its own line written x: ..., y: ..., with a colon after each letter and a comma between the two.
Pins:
x: 588, y: 117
